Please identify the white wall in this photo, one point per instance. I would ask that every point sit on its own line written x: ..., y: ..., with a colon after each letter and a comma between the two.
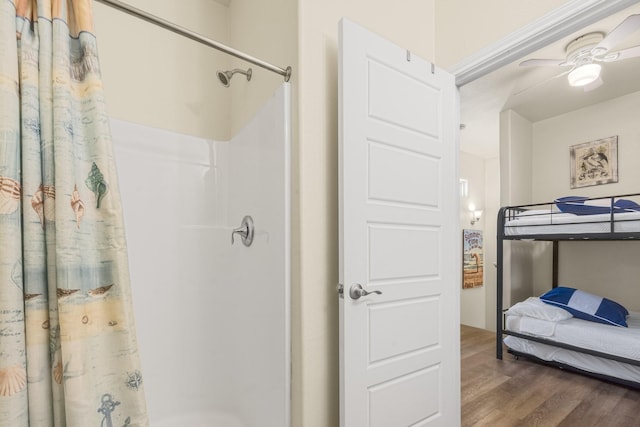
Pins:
x: 267, y: 30
x: 516, y: 137
x: 478, y: 305
x: 463, y: 27
x: 254, y: 302
x: 492, y: 205
x: 472, y: 301
x: 157, y: 78
x: 161, y: 176
x: 554, y: 136
x: 610, y: 268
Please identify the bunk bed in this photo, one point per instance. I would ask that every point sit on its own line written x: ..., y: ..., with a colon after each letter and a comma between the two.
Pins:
x: 607, y: 352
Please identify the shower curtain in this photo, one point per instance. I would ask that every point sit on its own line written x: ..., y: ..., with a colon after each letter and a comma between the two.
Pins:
x: 68, y: 353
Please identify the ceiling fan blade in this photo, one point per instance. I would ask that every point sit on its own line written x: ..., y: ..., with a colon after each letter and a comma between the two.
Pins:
x: 540, y: 83
x: 593, y: 85
x: 542, y: 62
x: 618, y: 34
x: 632, y: 52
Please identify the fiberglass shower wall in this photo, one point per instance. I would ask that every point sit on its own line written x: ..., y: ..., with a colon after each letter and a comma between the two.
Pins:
x: 212, y: 317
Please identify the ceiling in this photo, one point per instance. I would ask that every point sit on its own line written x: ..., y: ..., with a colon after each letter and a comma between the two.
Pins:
x: 538, y: 93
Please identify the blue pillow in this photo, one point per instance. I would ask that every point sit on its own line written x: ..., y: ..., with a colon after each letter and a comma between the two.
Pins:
x: 587, y: 306
x: 626, y: 205
x: 576, y: 205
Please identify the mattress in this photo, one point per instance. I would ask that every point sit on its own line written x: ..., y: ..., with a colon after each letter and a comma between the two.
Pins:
x: 624, y: 342
x: 544, y: 222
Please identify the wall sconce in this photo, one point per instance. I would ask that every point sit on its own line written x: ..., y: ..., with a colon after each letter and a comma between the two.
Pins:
x: 475, y: 214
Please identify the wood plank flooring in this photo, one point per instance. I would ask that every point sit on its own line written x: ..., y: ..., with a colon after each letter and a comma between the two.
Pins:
x: 510, y: 392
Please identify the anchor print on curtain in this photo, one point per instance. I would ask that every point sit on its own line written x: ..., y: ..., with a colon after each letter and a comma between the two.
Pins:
x: 68, y: 352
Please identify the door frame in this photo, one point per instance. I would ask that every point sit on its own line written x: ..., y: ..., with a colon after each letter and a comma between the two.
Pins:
x: 547, y: 29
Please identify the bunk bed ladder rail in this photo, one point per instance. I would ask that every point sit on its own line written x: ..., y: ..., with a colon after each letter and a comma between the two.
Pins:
x: 499, y: 280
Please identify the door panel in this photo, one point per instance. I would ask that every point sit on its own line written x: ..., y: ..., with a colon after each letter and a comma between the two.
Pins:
x: 395, y: 175
x: 416, y: 242
x: 390, y: 407
x: 386, y: 100
x: 399, y: 328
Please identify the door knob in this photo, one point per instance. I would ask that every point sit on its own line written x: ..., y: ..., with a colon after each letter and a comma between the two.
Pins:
x: 356, y: 291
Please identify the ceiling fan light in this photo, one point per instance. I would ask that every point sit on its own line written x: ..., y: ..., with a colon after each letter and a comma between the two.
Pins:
x: 584, y: 74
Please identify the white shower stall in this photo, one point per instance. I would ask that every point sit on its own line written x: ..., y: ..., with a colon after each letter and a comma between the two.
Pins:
x: 213, y: 318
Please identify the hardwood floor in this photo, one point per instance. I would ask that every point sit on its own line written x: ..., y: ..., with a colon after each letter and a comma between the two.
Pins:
x: 512, y: 392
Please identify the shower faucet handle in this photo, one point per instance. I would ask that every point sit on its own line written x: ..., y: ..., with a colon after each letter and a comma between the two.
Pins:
x: 245, y: 231
x: 242, y: 231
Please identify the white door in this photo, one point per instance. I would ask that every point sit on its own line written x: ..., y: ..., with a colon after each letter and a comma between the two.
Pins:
x: 399, y: 235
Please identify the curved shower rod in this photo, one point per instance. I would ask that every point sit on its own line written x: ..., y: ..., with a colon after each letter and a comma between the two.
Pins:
x: 141, y: 14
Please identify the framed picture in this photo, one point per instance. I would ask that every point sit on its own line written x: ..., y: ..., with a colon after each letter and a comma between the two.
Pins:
x: 472, y: 259
x: 594, y: 163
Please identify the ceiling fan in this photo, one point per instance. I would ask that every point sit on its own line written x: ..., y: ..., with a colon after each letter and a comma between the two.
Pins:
x: 586, y: 52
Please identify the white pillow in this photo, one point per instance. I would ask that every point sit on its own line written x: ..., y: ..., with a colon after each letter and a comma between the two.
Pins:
x: 534, y: 307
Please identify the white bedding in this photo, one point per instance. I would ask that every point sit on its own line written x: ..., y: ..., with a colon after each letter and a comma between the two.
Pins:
x: 544, y: 222
x: 624, y: 342
x: 578, y: 360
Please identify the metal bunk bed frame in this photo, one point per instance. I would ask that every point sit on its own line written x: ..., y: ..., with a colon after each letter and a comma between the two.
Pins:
x: 508, y: 212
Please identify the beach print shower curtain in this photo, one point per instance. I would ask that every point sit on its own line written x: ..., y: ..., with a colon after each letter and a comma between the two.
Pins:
x: 68, y: 354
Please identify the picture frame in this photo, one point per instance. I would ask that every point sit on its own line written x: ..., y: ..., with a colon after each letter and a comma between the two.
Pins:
x: 594, y: 162
x: 472, y: 259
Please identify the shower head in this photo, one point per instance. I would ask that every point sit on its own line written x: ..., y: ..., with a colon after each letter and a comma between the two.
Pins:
x: 225, y: 76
